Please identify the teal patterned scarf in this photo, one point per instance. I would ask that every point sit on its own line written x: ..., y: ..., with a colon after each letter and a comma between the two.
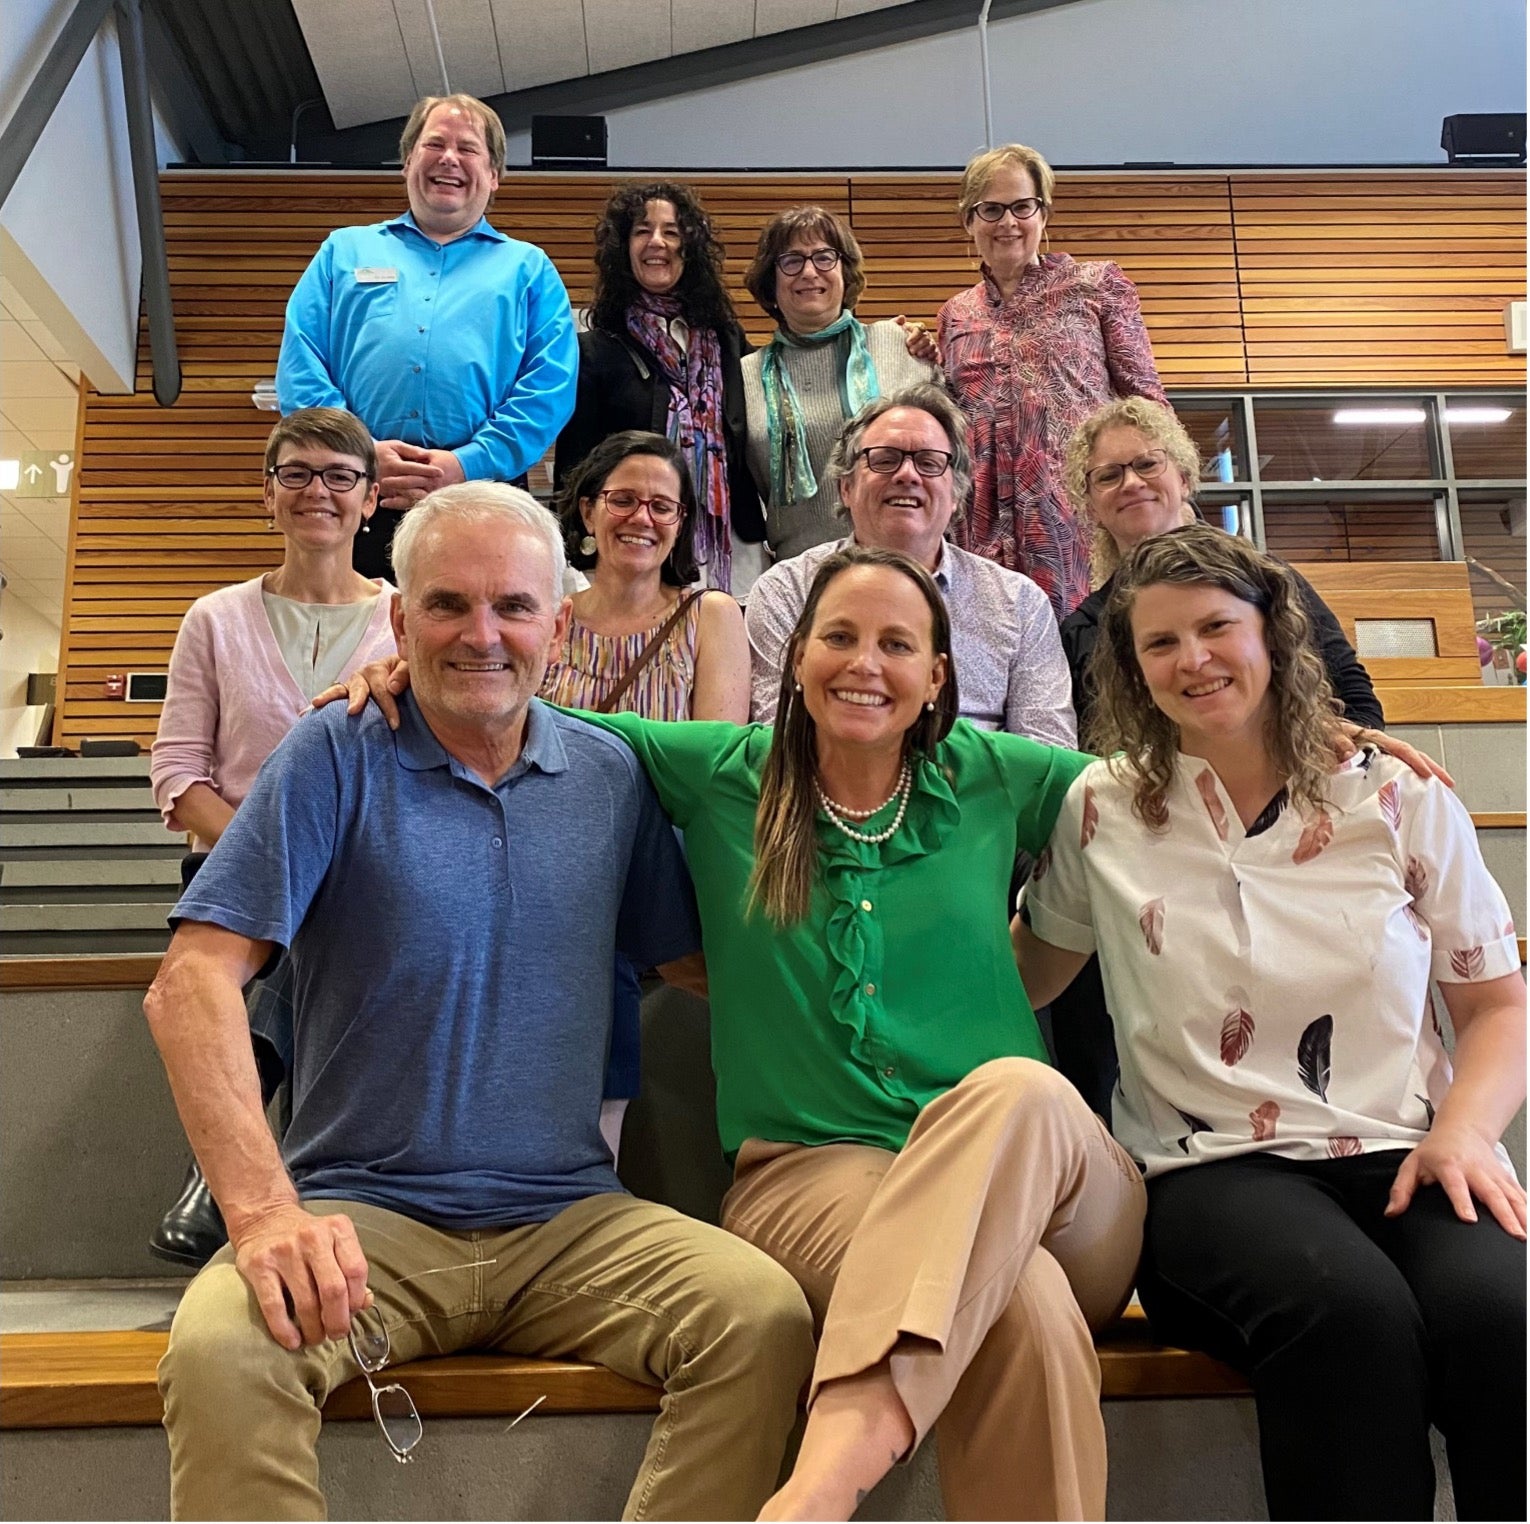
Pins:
x: 791, y: 472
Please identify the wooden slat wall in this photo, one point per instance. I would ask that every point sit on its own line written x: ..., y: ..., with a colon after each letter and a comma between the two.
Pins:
x: 1245, y: 279
x: 1396, y: 279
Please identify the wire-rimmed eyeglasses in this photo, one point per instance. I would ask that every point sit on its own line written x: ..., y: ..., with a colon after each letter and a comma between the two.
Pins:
x: 392, y: 1406
x: 295, y: 476
x: 791, y: 262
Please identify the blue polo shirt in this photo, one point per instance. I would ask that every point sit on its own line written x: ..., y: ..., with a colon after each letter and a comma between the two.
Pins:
x: 452, y: 949
x: 465, y: 346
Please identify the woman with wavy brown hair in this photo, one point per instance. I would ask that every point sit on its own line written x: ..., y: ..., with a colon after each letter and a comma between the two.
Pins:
x: 662, y: 354
x: 1268, y: 924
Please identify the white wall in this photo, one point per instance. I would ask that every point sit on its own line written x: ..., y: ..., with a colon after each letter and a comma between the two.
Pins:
x: 68, y: 231
x: 1110, y: 81
x: 30, y: 645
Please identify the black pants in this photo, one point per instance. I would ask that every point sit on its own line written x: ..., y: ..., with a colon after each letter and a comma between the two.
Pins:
x: 369, y: 550
x: 1356, y: 1331
x: 1083, y: 1039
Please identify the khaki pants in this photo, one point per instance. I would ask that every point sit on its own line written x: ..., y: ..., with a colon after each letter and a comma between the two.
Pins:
x: 975, y: 1262
x: 633, y: 1286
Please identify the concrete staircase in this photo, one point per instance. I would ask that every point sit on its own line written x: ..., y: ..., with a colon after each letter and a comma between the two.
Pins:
x: 86, y: 864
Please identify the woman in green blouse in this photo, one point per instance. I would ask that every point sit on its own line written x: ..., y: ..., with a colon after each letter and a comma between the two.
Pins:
x: 957, y: 1217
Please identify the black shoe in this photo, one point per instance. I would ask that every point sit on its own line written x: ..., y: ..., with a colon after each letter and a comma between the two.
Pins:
x: 192, y: 1230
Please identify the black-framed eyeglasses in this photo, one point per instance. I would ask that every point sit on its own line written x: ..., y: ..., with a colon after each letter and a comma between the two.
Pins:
x: 792, y: 261
x: 295, y: 476
x: 1022, y: 210
x: 1146, y: 466
x: 392, y: 1406
x: 885, y: 459
x: 622, y: 504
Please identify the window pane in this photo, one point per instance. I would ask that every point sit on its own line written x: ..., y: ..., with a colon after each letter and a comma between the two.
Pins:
x: 1306, y: 442
x: 1216, y: 426
x: 1493, y: 529
x: 1389, y: 528
x: 1227, y: 510
x: 1483, y: 444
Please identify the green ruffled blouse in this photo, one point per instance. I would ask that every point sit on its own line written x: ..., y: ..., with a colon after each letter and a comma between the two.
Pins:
x: 900, y: 980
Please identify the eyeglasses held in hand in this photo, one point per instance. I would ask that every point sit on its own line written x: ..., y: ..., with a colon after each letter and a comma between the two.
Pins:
x: 1023, y: 209
x: 885, y: 459
x: 295, y: 476
x: 392, y: 1406
x: 622, y: 504
x: 792, y: 261
x: 1108, y: 477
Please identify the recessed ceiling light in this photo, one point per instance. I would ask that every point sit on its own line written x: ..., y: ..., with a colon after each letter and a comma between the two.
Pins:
x: 1379, y: 415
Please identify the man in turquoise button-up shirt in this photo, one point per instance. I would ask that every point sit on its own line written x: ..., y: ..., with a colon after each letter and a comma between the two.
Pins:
x: 453, y: 343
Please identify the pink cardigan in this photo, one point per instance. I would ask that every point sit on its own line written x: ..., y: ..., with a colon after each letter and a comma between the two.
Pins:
x: 230, y: 698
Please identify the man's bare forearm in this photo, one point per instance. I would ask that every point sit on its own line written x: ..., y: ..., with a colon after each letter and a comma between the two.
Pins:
x: 196, y: 1013
x: 688, y: 973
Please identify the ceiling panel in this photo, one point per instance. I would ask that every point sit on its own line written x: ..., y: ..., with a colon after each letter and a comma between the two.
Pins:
x: 783, y: 15
x: 375, y: 58
x: 358, y: 54
x: 697, y: 24
x: 540, y: 43
x: 468, y: 43
x: 23, y: 381
x: 620, y: 33
x: 18, y: 347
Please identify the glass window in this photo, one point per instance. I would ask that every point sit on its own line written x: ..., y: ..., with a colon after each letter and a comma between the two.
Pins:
x: 1343, y: 439
x: 1227, y: 510
x: 1216, y: 426
x: 1487, y: 437
x: 1319, y: 527
x: 1493, y: 531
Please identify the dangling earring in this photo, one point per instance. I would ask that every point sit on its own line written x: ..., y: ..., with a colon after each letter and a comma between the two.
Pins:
x: 929, y: 706
x: 366, y: 526
x: 587, y: 545
x: 798, y: 687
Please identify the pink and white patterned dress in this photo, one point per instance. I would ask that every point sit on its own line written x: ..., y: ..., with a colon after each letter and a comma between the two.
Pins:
x: 1270, y: 992
x: 1027, y: 371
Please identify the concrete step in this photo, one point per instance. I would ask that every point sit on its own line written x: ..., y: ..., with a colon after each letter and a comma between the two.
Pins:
x: 64, y: 835
x: 63, y: 800
x: 23, y: 772
x: 17, y: 920
x: 90, y: 873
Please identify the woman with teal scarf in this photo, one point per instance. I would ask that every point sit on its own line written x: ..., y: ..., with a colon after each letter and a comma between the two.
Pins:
x: 821, y: 366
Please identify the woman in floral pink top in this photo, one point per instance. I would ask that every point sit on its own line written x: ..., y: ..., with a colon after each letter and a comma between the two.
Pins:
x: 1030, y: 351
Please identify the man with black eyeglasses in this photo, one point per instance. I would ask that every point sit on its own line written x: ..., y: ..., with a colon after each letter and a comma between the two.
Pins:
x: 902, y: 470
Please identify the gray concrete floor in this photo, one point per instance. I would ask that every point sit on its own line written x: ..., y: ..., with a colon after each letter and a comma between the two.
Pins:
x: 87, y: 1306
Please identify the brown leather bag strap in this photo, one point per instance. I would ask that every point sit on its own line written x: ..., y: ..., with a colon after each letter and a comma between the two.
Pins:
x: 647, y: 654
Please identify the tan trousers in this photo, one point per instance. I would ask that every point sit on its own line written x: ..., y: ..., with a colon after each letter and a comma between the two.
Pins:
x: 631, y: 1285
x: 975, y: 1261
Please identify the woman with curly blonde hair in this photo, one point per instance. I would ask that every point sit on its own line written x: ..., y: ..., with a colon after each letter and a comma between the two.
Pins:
x: 1268, y: 925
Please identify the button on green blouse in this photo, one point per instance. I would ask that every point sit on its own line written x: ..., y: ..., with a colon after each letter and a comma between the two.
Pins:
x: 900, y: 980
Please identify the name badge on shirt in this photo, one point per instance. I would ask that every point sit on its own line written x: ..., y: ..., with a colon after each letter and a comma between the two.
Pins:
x: 376, y: 275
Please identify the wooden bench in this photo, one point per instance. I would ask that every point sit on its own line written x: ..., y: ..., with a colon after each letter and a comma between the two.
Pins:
x: 103, y: 1380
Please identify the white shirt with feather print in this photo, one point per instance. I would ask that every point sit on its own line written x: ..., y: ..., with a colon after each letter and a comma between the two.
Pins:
x: 1272, y: 992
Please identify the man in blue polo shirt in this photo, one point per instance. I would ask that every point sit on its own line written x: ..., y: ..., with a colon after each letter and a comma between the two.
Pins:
x: 452, y: 895
x: 453, y: 343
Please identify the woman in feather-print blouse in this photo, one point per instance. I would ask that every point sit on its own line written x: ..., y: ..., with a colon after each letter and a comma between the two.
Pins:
x: 1030, y: 351
x: 1268, y: 926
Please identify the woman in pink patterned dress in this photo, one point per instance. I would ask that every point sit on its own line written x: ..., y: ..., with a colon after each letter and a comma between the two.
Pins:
x: 1030, y: 351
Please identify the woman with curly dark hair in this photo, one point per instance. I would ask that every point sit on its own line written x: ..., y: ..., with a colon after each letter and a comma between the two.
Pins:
x: 1330, y: 1210
x: 662, y: 355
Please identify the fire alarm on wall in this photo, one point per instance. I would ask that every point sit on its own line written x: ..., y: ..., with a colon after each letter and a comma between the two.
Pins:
x: 115, y: 685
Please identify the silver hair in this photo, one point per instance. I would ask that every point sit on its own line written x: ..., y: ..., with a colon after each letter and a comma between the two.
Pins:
x: 476, y: 503
x: 927, y: 398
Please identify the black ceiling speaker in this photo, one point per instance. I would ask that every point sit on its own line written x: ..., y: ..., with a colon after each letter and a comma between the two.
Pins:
x: 1485, y: 139
x: 568, y: 142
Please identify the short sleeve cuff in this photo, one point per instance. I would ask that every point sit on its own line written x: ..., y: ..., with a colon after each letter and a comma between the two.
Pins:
x: 1057, y: 929
x: 1475, y: 965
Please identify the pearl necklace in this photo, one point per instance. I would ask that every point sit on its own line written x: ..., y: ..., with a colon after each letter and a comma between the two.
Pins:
x: 840, y: 817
